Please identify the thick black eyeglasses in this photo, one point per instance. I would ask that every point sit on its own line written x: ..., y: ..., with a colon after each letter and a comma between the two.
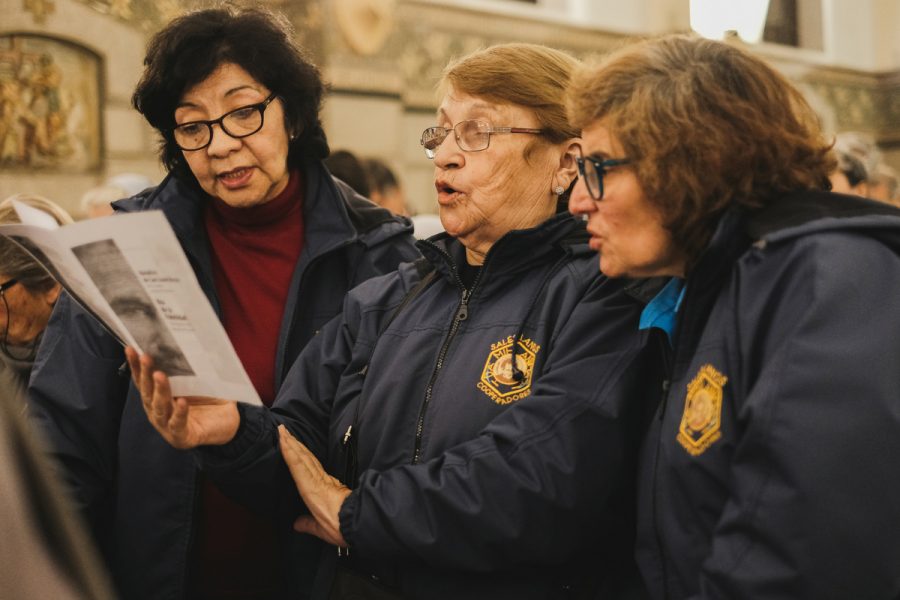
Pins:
x: 471, y: 135
x: 593, y: 171
x: 238, y: 123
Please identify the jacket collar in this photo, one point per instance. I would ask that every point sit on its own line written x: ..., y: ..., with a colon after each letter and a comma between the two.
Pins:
x: 791, y: 216
x: 809, y: 211
x: 516, y: 252
x: 333, y: 215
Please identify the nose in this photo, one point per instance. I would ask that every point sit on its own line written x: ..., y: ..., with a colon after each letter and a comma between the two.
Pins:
x: 221, y: 143
x: 580, y: 201
x: 448, y: 155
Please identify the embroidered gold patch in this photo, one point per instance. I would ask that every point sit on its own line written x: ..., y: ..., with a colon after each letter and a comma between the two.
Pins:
x: 497, y: 380
x: 702, y: 419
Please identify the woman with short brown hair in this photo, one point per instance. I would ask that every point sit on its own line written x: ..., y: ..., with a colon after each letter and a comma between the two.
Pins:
x: 768, y: 471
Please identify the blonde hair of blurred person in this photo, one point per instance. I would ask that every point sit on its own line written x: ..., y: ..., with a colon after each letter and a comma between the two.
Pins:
x: 28, y: 294
x: 97, y: 201
x: 850, y: 175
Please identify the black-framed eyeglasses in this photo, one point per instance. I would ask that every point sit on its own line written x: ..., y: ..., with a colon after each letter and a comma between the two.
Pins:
x: 4, y: 341
x: 471, y: 135
x: 7, y: 284
x: 593, y: 170
x: 238, y: 123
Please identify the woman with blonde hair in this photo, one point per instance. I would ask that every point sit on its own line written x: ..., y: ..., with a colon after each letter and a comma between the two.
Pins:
x: 768, y: 470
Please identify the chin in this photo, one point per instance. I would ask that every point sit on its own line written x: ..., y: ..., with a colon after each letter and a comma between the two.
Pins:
x: 449, y: 223
x: 242, y: 200
x: 611, y: 269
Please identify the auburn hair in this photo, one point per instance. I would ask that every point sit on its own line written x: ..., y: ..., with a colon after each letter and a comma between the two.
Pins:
x: 707, y: 125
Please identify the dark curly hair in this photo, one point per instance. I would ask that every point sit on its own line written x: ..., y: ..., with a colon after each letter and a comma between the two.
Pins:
x: 192, y: 46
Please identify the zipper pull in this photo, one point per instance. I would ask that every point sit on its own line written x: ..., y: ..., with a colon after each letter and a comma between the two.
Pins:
x: 347, y: 434
x: 462, y: 313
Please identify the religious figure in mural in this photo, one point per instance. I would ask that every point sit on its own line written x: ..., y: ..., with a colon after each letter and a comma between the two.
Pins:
x: 49, y: 104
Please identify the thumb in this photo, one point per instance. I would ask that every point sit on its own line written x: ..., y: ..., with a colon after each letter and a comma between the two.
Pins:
x: 306, y: 524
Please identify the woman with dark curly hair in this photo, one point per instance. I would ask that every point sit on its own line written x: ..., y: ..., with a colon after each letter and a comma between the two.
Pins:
x: 275, y: 242
x: 769, y: 470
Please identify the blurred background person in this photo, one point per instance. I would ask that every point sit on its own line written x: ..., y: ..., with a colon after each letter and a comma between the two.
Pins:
x: 860, y: 145
x: 344, y: 165
x: 27, y: 296
x: 384, y: 188
x: 131, y: 183
x: 386, y: 191
x: 884, y: 185
x: 97, y: 201
x: 275, y: 243
x: 850, y: 175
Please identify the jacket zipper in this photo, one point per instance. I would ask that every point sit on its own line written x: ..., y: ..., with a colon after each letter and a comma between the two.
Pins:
x: 670, y: 360
x: 666, y: 386
x: 462, y: 313
x: 280, y: 353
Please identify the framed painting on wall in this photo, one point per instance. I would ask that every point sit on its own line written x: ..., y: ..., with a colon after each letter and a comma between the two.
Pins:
x: 49, y: 105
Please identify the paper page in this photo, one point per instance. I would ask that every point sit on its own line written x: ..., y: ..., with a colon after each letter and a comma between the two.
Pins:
x: 129, y: 271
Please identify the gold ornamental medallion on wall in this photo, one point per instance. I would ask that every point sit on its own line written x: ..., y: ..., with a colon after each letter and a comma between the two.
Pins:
x: 365, y: 24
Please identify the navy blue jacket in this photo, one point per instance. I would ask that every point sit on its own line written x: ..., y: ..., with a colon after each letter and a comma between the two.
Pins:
x: 473, y: 484
x: 771, y: 470
x: 137, y: 492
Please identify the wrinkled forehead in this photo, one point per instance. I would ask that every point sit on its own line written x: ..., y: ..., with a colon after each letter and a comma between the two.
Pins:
x: 227, y: 80
x: 459, y: 106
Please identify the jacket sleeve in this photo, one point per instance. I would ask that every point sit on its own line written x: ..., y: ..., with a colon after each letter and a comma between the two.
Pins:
x: 549, y: 476
x: 250, y: 467
x: 384, y: 251
x: 814, y: 508
x: 76, y: 394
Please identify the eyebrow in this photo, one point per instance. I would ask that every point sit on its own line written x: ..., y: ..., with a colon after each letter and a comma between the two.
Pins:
x: 479, y: 107
x: 596, y: 154
x: 230, y: 92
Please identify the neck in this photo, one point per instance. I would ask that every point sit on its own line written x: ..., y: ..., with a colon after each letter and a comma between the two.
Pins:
x: 475, y: 257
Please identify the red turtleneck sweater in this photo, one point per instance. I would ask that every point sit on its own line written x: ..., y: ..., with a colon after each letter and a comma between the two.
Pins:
x: 254, y: 253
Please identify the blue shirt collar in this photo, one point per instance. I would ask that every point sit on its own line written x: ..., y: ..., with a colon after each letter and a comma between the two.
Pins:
x: 661, y: 312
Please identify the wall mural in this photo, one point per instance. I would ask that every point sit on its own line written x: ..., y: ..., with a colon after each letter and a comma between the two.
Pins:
x: 49, y: 105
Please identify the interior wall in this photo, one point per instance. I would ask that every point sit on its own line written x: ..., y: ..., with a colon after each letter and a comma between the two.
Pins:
x: 383, y: 68
x: 127, y: 144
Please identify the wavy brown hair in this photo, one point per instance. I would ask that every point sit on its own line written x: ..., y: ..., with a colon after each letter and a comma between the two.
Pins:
x: 707, y: 126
